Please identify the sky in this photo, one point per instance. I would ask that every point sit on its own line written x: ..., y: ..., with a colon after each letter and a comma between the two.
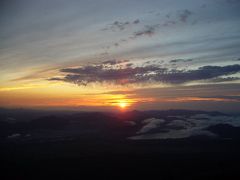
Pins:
x: 128, y: 54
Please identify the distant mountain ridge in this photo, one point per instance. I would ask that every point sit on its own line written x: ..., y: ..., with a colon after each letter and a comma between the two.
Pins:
x: 21, y: 124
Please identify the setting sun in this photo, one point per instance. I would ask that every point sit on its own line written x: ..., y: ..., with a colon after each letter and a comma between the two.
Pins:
x: 123, y: 105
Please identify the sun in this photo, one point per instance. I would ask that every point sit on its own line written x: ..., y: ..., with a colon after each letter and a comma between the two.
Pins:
x: 122, y: 105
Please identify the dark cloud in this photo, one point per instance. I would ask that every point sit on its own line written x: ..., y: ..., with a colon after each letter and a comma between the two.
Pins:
x: 55, y: 79
x: 147, y: 31
x: 89, y: 74
x: 128, y: 74
x: 180, y: 60
x: 150, y: 30
x: 193, y: 90
x: 184, y: 15
x: 129, y: 64
x: 181, y: 17
x: 202, y: 73
x: 136, y: 21
x: 120, y: 26
x: 168, y: 15
x: 168, y: 23
x: 114, y: 62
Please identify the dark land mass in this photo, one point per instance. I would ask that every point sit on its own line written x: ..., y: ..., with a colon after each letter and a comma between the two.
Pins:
x: 44, y: 149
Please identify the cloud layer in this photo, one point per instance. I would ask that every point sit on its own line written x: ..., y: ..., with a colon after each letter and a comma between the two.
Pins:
x: 183, y: 126
x: 123, y: 72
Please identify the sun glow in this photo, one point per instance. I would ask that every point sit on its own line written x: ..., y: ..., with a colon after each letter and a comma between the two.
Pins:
x: 123, y: 105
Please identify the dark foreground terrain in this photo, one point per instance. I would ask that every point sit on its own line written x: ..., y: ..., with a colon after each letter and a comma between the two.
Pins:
x: 133, y: 145
x: 131, y: 159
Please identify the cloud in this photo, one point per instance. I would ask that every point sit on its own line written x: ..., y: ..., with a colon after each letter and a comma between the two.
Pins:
x: 114, y: 62
x: 199, y: 98
x: 206, y: 120
x: 180, y: 60
x: 232, y: 98
x: 179, y: 124
x: 130, y: 123
x: 120, y: 26
x: 13, y: 136
x: 151, y: 123
x: 136, y: 21
x: 149, y: 30
x: 184, y: 15
x: 168, y: 23
x: 184, y: 127
x: 202, y: 73
x: 99, y: 73
x: 180, y: 17
x: 224, y: 79
x: 118, y: 72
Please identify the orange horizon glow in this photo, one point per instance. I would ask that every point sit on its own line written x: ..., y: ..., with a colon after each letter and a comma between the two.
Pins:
x: 44, y: 94
x: 69, y: 96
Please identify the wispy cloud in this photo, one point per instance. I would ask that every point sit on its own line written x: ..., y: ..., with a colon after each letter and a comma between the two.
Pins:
x: 184, y: 15
x: 114, y: 62
x: 120, y: 26
x: 189, y: 99
x: 180, y: 60
x: 24, y: 87
x: 180, y: 17
x: 148, y: 30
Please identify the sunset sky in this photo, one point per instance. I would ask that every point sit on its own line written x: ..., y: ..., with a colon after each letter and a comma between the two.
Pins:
x: 128, y: 54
